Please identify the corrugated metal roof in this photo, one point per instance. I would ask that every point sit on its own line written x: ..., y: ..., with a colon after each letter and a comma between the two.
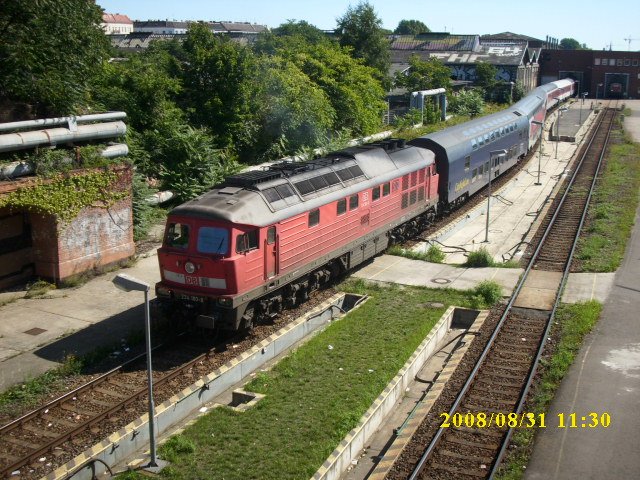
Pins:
x: 434, y: 42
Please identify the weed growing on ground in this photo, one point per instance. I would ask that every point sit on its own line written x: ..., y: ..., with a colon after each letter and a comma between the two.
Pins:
x: 479, y: 258
x: 38, y: 288
x: 433, y: 255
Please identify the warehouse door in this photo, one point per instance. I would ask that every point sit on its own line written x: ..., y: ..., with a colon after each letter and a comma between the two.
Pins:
x: 16, y: 253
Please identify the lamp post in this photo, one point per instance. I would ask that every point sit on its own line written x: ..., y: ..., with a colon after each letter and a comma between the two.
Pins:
x: 564, y: 109
x: 499, y: 153
x: 129, y: 284
x: 583, y: 94
x: 541, y: 125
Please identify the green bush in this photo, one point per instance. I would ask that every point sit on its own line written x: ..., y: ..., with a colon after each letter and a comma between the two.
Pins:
x: 479, y: 258
x: 489, y: 291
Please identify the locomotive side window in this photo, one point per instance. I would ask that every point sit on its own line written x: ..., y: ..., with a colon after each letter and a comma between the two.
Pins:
x: 375, y: 194
x: 271, y: 235
x: 247, y: 241
x: 314, y: 217
x: 353, y: 201
x: 177, y: 235
x: 342, y: 206
x: 213, y: 240
x: 386, y: 189
x: 405, y: 182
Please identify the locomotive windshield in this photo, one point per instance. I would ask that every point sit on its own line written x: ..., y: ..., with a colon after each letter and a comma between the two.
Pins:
x: 213, y: 240
x: 177, y: 235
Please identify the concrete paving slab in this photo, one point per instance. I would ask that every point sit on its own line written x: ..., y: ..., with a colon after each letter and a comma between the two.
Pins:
x: 392, y: 269
x: 74, y: 320
x: 581, y: 287
x: 632, y: 122
x: 539, y: 291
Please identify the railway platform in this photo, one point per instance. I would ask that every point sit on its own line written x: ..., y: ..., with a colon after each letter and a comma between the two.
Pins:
x: 605, y: 378
x: 37, y: 334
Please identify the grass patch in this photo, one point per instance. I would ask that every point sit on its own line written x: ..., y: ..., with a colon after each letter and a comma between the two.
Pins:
x: 612, y: 211
x: 486, y: 293
x: 30, y: 393
x: 315, y: 395
x: 572, y: 323
x: 433, y: 255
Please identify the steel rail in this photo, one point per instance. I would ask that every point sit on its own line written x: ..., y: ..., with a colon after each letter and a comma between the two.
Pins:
x: 565, y: 276
x: 427, y: 453
x: 119, y: 405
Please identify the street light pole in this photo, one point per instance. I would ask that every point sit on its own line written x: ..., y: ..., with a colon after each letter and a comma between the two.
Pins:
x: 541, y: 125
x: 500, y: 153
x: 128, y: 284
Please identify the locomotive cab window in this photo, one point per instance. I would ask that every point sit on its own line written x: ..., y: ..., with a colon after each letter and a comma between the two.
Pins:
x: 177, y: 235
x: 247, y: 241
x: 375, y: 194
x: 342, y: 206
x: 353, y: 202
x: 213, y: 240
x: 314, y: 218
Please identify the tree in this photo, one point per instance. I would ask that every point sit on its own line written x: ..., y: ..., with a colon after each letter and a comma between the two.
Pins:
x: 486, y: 75
x: 424, y: 75
x: 219, y: 77
x: 466, y: 102
x: 411, y: 27
x: 352, y: 88
x: 302, y: 28
x: 361, y: 29
x: 570, y: 44
x: 294, y: 112
x: 49, y: 51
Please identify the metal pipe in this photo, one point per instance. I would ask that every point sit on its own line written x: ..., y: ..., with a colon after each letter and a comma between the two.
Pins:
x: 47, y: 122
x: 21, y: 169
x: 117, y: 150
x: 20, y: 141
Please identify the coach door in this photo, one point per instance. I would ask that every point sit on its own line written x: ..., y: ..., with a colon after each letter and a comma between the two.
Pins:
x: 271, y: 253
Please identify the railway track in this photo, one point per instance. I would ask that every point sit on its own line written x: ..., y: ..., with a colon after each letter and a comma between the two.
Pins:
x: 499, y: 382
x: 40, y: 441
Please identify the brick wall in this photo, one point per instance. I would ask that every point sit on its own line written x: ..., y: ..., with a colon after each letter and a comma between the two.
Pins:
x: 97, y: 237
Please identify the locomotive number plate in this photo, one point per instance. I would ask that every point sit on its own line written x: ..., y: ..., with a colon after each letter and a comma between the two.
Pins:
x: 190, y: 280
x: 191, y: 298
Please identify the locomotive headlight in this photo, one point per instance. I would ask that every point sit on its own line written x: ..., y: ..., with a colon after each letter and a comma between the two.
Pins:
x: 189, y: 267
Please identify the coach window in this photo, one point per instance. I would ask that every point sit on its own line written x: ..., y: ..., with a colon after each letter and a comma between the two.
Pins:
x: 314, y: 217
x: 353, y: 202
x: 386, y: 189
x: 271, y: 235
x: 467, y: 163
x: 247, y: 241
x: 474, y: 175
x: 342, y: 206
x: 375, y: 194
x: 486, y: 167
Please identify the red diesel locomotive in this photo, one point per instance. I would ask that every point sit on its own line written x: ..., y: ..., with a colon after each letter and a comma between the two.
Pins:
x: 263, y: 240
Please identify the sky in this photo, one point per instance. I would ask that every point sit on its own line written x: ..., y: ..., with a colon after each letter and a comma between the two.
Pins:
x: 590, y: 22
